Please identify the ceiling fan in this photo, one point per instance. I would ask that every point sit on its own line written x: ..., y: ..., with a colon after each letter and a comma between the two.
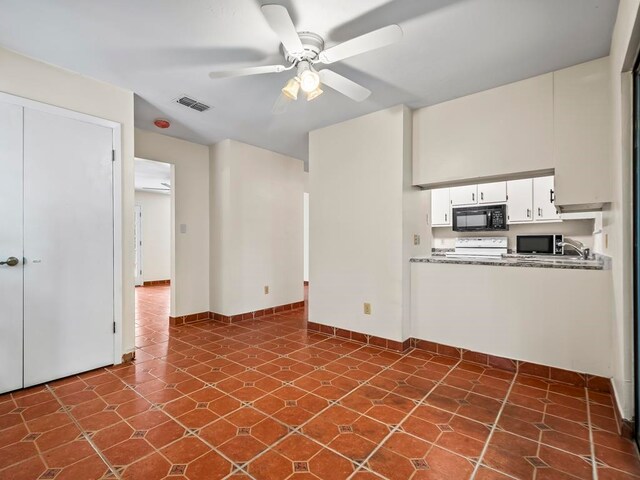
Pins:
x: 304, y: 50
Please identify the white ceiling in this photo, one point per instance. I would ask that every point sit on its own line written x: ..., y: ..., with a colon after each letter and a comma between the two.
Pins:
x: 161, y: 49
x: 150, y: 176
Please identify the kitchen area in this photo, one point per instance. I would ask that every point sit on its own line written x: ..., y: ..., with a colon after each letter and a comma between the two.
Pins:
x: 519, y: 190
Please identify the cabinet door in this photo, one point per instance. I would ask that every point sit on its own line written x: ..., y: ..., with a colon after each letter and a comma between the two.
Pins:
x: 440, y: 208
x: 466, y: 195
x: 520, y: 201
x: 495, y: 192
x: 544, y: 200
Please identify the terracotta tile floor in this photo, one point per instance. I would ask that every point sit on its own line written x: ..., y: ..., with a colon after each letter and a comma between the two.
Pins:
x: 266, y: 400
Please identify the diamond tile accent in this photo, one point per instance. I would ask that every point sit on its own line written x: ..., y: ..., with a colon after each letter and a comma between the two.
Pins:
x: 171, y: 385
x: 345, y: 429
x: 444, y: 427
x: 50, y: 473
x: 537, y: 462
x: 244, y: 431
x: 300, y: 467
x: 542, y: 426
x: 325, y: 383
x: 545, y: 401
x: 420, y: 464
x: 177, y: 469
x: 18, y: 410
x: 192, y: 432
x: 377, y: 402
x: 157, y: 406
x: 111, y: 407
x: 31, y: 437
x: 291, y: 403
x: 249, y: 384
x: 462, y: 401
x: 139, y: 434
x: 89, y: 388
x: 202, y: 405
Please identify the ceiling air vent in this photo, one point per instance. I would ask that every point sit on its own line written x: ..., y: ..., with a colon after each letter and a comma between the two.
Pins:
x: 192, y: 103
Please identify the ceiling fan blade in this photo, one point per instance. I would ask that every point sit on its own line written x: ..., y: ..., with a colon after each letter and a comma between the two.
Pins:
x: 280, y: 22
x: 369, y: 41
x: 241, y: 72
x: 343, y: 85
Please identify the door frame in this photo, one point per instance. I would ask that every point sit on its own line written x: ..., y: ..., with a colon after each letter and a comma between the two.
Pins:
x: 139, y: 281
x: 116, y: 180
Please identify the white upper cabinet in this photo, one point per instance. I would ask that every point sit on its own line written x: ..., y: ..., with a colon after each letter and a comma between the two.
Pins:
x: 465, y: 195
x: 544, y: 200
x: 495, y: 192
x: 520, y: 201
x: 440, y: 207
x: 583, y: 134
x: 499, y: 132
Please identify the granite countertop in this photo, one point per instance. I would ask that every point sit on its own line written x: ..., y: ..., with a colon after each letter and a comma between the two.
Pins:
x: 599, y: 262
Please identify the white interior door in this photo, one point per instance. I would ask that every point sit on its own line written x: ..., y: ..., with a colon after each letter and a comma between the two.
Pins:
x: 68, y: 247
x: 137, y: 240
x: 11, y: 277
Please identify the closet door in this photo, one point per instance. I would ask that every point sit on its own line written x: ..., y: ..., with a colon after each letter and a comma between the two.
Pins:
x: 10, y: 246
x: 68, y: 247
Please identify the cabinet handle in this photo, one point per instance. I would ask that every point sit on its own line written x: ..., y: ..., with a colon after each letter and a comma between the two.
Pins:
x: 481, y: 195
x: 445, y: 217
x: 528, y: 213
x: 552, y: 197
x: 473, y: 197
x: 539, y: 212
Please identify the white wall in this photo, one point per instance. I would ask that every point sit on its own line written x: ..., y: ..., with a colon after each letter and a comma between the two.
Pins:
x: 357, y: 250
x: 256, y: 203
x: 28, y: 78
x: 156, y: 235
x: 190, y: 250
x: 555, y: 317
x: 618, y: 219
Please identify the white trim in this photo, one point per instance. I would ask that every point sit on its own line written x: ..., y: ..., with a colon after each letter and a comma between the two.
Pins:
x: 117, y: 200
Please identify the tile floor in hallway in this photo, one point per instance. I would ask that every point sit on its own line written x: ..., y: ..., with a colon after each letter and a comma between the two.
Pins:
x: 265, y: 399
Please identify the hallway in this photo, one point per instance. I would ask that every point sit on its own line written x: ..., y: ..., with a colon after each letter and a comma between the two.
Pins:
x: 265, y: 399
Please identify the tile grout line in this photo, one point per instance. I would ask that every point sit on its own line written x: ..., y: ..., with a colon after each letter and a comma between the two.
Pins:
x: 395, y: 429
x: 594, y: 465
x: 106, y: 461
x: 494, y: 427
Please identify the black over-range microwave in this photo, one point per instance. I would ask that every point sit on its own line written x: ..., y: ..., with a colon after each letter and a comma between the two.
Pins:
x: 480, y: 218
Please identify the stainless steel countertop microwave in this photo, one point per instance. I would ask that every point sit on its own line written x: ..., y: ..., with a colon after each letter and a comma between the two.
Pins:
x: 551, y: 244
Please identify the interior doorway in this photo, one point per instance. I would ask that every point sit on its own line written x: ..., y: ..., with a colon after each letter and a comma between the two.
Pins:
x: 153, y: 231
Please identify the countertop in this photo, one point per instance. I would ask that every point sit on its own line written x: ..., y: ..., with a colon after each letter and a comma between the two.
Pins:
x: 599, y: 262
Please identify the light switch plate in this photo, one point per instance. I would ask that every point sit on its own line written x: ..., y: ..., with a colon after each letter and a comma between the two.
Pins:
x: 367, y: 309
x: 183, y: 228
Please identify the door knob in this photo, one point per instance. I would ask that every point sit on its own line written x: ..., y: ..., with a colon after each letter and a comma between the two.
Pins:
x: 11, y: 261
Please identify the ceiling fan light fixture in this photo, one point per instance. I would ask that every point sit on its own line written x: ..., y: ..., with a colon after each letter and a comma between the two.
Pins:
x: 292, y: 88
x: 314, y: 94
x: 309, y: 78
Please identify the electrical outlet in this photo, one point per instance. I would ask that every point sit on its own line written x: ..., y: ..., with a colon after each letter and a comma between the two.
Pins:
x: 367, y: 308
x: 266, y: 289
x: 416, y: 239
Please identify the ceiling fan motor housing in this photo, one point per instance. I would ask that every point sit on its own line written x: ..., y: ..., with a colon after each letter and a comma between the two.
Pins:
x: 313, y: 44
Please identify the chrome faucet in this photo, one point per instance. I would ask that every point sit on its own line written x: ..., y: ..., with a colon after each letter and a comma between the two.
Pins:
x: 584, y: 252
